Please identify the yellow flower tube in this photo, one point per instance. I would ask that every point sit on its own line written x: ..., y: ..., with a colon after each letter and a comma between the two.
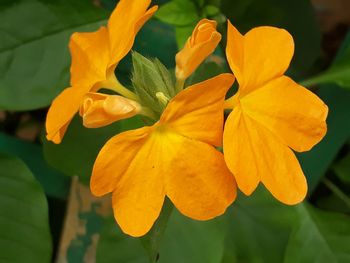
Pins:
x: 198, y: 47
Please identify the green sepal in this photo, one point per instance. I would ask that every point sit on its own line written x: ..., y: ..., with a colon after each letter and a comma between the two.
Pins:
x: 150, y: 77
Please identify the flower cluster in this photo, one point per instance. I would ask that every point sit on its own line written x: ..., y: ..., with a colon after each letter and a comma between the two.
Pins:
x: 178, y: 156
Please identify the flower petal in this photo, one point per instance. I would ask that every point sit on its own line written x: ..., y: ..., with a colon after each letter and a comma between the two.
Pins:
x: 197, y: 111
x: 263, y: 54
x: 128, y: 165
x: 253, y: 153
x: 124, y: 23
x: 294, y: 114
x: 90, y: 57
x: 239, y: 152
x: 198, y: 181
x: 62, y: 111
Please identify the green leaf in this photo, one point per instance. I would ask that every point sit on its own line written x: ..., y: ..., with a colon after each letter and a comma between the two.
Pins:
x: 34, y: 57
x: 152, y: 240
x: 320, y: 237
x: 54, y: 183
x: 339, y: 72
x: 211, y: 10
x: 183, y: 33
x: 25, y: 234
x: 297, y: 16
x: 259, y: 228
x: 185, y: 241
x: 178, y: 13
x: 80, y: 146
x: 342, y: 169
x: 316, y: 162
x: 115, y: 246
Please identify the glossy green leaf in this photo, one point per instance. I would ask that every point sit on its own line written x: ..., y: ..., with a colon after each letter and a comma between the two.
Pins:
x: 339, y: 72
x: 182, y: 33
x: 54, y: 183
x: 342, y: 169
x: 153, y: 239
x: 115, y: 246
x: 24, y: 227
x: 316, y: 162
x: 259, y: 228
x: 297, y: 16
x: 320, y: 237
x: 77, y: 152
x: 191, y: 241
x: 178, y: 13
x: 34, y: 56
x: 185, y: 241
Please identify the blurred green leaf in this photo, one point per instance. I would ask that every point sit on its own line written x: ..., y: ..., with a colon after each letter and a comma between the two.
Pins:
x: 316, y: 162
x: 183, y: 33
x: 297, y: 16
x: 259, y: 228
x: 54, y: 183
x: 25, y: 234
x: 339, y: 72
x: 34, y: 57
x: 77, y: 152
x: 342, y: 169
x: 153, y: 239
x: 185, y: 241
x: 191, y: 241
x: 178, y: 13
x: 211, y: 10
x: 320, y: 237
x: 115, y: 246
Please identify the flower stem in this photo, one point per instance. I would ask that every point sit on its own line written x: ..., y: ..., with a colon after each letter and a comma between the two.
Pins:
x: 337, y: 191
x: 112, y: 83
x: 179, y: 85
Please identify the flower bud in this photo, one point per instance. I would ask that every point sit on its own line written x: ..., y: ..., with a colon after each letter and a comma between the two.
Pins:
x: 98, y: 110
x: 200, y: 45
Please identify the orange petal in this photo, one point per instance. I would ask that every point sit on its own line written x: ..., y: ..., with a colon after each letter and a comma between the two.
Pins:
x: 239, y: 152
x: 90, y: 57
x: 260, y: 155
x: 198, y: 47
x: 292, y: 113
x: 99, y: 109
x: 125, y: 21
x: 128, y: 165
x: 197, y: 111
x: 198, y: 181
x: 61, y: 112
x: 263, y: 54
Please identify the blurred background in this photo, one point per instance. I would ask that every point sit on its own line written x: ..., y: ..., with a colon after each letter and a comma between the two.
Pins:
x: 47, y: 213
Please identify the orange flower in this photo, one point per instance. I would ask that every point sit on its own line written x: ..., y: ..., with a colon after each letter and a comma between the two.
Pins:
x: 94, y: 58
x: 200, y: 45
x: 99, y: 109
x: 175, y: 158
x: 271, y: 115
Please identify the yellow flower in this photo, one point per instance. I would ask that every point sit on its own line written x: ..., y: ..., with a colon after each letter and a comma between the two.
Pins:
x: 175, y: 157
x: 271, y: 115
x: 98, y: 110
x: 200, y: 45
x: 94, y: 58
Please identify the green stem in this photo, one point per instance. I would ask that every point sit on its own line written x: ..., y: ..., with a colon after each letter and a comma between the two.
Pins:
x: 148, y: 113
x: 112, y: 83
x: 179, y: 85
x: 151, y: 242
x: 337, y: 191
